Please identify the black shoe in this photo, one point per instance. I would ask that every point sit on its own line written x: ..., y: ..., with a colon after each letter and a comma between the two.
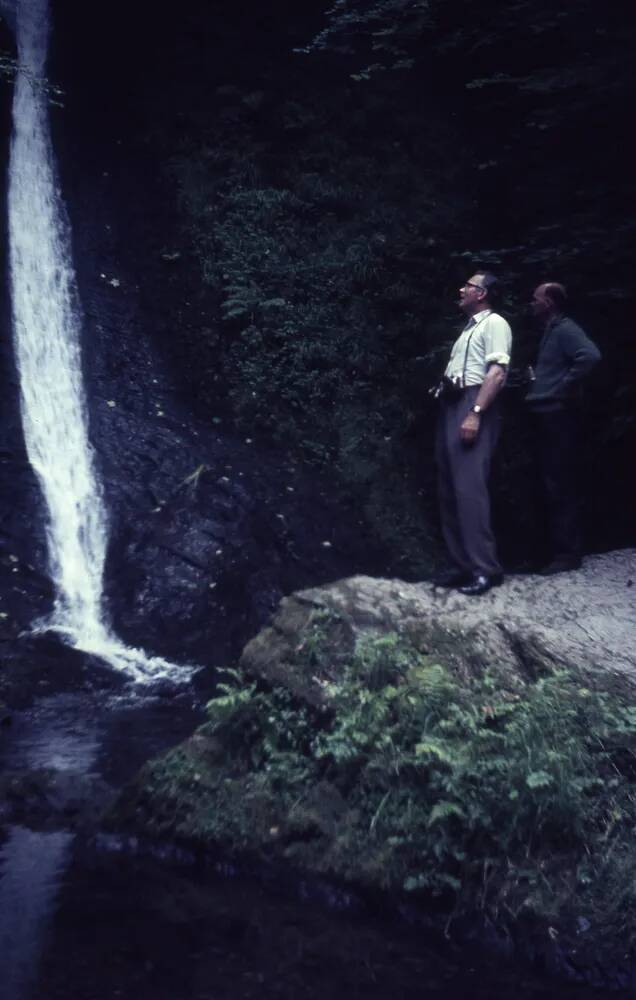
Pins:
x: 562, y: 564
x: 481, y: 583
x: 452, y: 578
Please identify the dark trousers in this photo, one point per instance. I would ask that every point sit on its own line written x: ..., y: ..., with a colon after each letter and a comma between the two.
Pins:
x: 556, y: 443
x: 463, y: 473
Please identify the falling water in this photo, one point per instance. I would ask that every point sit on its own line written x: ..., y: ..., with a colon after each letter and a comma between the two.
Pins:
x: 47, y: 325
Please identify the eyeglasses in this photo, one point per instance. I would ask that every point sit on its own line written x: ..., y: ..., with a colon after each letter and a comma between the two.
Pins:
x: 472, y: 284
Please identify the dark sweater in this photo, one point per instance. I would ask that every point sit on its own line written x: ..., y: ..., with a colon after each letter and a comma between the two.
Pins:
x: 566, y: 355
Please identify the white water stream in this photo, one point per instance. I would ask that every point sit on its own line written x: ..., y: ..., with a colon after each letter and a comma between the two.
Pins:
x: 47, y: 326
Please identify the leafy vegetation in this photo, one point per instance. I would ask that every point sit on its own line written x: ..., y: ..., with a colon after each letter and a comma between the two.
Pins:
x: 325, y: 344
x: 391, y: 29
x: 512, y: 797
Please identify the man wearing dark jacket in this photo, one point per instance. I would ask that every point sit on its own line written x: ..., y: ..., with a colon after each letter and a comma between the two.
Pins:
x: 566, y: 355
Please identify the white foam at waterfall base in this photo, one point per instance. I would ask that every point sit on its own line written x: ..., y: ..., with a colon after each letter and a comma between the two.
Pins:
x: 47, y: 327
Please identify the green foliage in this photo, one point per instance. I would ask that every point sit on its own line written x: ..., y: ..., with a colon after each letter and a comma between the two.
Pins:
x: 266, y: 730
x: 528, y: 36
x: 519, y: 797
x: 389, y: 26
x: 302, y: 246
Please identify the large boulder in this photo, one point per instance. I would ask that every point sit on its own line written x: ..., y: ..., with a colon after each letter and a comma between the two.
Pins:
x: 584, y: 619
x: 475, y: 755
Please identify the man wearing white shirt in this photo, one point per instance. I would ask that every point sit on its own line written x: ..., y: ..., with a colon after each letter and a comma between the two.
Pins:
x: 467, y: 432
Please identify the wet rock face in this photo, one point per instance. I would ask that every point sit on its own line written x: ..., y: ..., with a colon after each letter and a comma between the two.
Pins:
x: 207, y: 532
x: 46, y: 798
x: 209, y: 535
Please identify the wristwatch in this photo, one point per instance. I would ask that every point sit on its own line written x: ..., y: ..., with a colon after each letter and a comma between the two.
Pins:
x: 476, y: 409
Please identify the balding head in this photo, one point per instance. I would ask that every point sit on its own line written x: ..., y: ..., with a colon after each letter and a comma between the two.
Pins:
x: 549, y: 300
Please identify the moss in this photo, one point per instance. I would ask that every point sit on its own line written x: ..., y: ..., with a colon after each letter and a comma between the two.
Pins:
x: 308, y: 643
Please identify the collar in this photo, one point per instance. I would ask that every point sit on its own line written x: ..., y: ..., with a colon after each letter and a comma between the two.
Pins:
x: 472, y: 321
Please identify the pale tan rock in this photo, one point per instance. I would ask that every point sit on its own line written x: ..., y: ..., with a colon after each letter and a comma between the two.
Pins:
x: 584, y: 619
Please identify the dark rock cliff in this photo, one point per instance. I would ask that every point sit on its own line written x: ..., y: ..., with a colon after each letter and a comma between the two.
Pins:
x: 207, y: 530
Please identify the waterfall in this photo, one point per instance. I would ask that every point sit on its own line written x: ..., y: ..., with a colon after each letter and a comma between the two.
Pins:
x: 47, y: 324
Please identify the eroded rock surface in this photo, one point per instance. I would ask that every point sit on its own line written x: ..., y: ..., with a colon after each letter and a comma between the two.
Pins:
x: 584, y: 619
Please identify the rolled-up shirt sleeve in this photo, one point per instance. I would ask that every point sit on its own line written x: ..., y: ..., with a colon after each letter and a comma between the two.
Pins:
x: 497, y: 341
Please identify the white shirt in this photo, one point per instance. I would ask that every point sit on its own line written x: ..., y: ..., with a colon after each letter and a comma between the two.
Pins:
x: 485, y: 340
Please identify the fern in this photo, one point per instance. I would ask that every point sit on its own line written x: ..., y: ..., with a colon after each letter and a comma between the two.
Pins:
x: 446, y: 779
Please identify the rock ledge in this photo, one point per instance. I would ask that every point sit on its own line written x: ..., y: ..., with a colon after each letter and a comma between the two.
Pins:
x: 584, y: 620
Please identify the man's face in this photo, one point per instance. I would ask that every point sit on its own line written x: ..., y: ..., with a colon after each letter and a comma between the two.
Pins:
x: 540, y: 304
x: 472, y: 295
